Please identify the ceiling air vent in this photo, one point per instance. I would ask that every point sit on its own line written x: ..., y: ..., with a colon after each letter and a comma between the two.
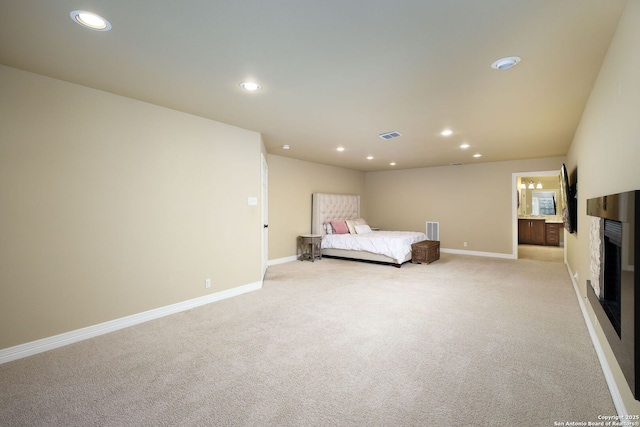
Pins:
x: 456, y: 164
x: 390, y: 135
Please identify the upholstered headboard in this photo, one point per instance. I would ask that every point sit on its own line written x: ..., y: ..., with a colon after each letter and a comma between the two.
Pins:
x: 327, y: 207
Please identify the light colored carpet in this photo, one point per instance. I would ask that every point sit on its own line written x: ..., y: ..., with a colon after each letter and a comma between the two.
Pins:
x: 541, y: 253
x: 464, y: 341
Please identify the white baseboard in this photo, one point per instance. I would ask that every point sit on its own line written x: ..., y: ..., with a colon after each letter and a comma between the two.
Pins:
x: 476, y: 253
x: 606, y: 369
x: 281, y: 260
x: 442, y: 250
x: 45, y: 344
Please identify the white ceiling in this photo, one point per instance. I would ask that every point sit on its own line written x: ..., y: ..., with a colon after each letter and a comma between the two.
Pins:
x: 339, y: 72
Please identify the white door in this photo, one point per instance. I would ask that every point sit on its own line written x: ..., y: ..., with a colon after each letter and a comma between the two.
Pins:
x: 265, y: 213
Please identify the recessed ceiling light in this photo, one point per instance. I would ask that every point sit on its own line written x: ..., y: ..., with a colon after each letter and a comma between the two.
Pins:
x: 90, y: 20
x: 446, y: 132
x: 340, y: 148
x: 286, y: 147
x: 392, y: 164
x: 505, y: 63
x: 369, y: 157
x: 464, y: 146
x: 477, y: 155
x: 250, y: 86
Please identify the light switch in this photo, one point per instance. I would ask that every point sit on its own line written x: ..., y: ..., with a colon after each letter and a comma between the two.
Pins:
x: 253, y: 201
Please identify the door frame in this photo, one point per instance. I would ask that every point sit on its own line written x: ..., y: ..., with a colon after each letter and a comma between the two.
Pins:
x: 264, y: 196
x: 514, y: 204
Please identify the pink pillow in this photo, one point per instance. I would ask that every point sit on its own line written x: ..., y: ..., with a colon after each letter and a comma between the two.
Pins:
x: 340, y: 227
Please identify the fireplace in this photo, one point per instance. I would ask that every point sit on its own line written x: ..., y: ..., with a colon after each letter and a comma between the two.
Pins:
x: 611, y: 272
x: 612, y: 287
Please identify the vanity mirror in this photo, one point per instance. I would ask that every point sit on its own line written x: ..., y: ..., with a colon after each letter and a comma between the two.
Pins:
x: 544, y: 202
x: 539, y: 202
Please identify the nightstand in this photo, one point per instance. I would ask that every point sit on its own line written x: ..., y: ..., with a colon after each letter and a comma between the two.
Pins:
x: 309, y: 247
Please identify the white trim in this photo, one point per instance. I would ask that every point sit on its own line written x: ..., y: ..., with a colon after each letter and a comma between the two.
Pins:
x: 264, y: 213
x: 282, y: 260
x: 56, y: 341
x: 476, y: 253
x: 606, y: 369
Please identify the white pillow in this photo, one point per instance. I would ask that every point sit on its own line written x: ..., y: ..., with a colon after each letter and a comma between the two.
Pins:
x: 362, y: 229
x: 351, y: 223
x: 328, y: 228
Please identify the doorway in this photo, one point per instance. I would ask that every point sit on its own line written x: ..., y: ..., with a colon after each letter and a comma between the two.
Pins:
x: 539, y: 200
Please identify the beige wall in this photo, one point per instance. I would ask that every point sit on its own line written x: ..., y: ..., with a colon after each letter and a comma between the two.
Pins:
x: 111, y: 207
x: 291, y: 184
x: 605, y: 152
x: 473, y: 203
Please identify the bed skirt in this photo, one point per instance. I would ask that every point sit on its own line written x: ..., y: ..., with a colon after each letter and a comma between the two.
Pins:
x: 364, y: 256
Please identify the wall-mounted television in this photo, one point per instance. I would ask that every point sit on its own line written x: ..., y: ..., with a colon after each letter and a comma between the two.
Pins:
x: 569, y: 205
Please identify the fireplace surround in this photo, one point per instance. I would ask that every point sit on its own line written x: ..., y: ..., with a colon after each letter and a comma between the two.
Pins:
x: 612, y: 288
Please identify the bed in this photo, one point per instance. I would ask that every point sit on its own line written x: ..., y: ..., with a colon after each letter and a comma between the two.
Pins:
x: 359, y: 242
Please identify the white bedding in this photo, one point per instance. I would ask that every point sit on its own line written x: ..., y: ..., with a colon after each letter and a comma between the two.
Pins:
x: 394, y: 244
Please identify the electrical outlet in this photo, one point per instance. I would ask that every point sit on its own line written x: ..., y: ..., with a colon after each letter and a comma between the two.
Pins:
x: 207, y: 283
x: 465, y: 244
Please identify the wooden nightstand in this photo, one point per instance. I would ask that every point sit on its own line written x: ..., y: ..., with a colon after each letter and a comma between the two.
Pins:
x: 309, y: 247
